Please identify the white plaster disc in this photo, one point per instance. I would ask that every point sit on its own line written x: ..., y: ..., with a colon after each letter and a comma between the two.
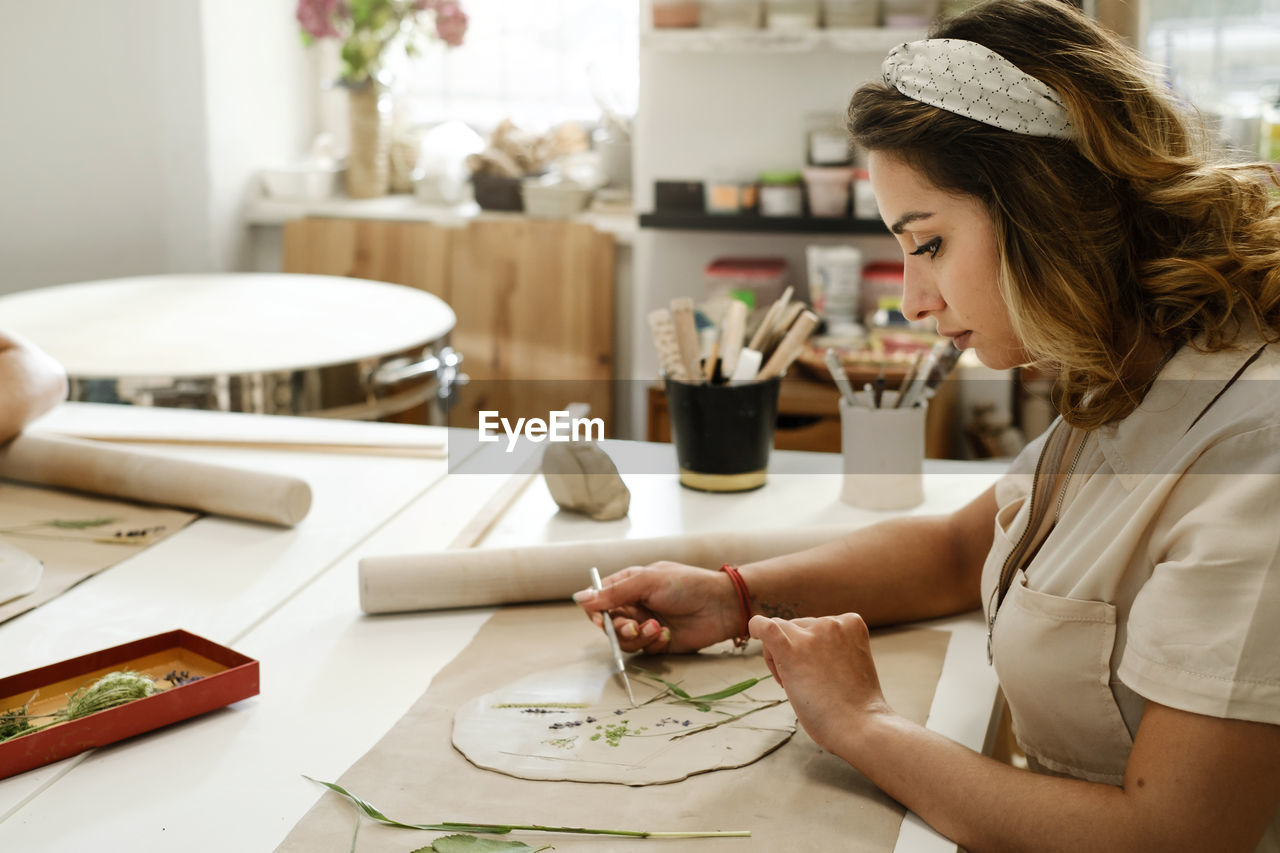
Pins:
x: 574, y: 723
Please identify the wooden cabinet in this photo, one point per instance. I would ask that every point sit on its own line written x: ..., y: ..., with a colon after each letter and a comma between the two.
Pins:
x: 534, y: 300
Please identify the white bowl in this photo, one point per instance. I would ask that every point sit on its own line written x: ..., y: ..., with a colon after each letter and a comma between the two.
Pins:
x: 553, y: 201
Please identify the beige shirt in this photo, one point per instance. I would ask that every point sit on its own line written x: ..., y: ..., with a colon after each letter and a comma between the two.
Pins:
x: 1160, y: 579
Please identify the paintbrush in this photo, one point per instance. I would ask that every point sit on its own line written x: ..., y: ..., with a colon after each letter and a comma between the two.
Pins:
x: 613, y: 639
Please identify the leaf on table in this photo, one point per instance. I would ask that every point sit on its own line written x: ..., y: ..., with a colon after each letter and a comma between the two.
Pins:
x: 472, y: 844
x: 80, y: 523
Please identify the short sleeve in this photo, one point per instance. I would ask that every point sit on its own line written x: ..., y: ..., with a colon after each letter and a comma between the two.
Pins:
x: 1203, y: 634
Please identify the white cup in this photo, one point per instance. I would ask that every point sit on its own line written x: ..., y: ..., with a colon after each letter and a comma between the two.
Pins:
x: 883, y: 455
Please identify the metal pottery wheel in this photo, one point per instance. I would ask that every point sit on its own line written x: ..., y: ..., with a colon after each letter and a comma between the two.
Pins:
x: 265, y: 343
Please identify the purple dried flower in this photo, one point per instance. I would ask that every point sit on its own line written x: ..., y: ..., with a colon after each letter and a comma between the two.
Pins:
x: 316, y: 17
x: 451, y: 22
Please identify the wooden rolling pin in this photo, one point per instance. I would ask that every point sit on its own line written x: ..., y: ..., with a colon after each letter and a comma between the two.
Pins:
x: 488, y: 576
x: 89, y: 466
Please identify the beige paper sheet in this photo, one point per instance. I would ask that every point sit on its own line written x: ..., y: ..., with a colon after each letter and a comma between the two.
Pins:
x: 488, y: 576
x: 89, y: 466
x: 75, y: 536
x: 796, y: 798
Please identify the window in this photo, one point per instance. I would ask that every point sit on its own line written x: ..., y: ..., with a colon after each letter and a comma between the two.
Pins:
x: 538, y: 63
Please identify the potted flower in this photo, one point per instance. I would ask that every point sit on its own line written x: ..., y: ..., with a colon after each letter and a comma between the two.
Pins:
x: 368, y: 29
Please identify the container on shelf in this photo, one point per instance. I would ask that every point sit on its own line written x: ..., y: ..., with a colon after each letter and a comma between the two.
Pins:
x: 879, y: 278
x: 828, y: 189
x: 828, y: 141
x: 835, y: 283
x: 850, y: 14
x: 679, y: 196
x: 781, y: 194
x: 792, y: 14
x: 732, y: 14
x: 909, y: 13
x: 762, y: 278
x: 865, y: 205
x: 673, y: 14
x: 730, y: 195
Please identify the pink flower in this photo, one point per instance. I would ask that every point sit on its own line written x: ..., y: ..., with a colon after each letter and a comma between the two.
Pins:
x: 451, y: 22
x: 316, y: 17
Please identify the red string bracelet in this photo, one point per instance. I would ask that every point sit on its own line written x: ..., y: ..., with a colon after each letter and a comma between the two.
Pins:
x: 744, y: 602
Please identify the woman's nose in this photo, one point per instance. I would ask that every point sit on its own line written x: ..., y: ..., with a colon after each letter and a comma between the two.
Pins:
x: 920, y: 298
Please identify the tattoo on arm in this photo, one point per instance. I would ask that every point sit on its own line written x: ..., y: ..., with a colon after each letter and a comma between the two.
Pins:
x: 777, y: 609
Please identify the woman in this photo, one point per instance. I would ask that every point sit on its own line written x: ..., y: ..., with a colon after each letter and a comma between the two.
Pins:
x: 1054, y: 209
x: 31, y: 383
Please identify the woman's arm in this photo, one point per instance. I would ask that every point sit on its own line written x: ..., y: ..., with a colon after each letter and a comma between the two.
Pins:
x: 1193, y: 783
x: 31, y: 383
x: 901, y: 570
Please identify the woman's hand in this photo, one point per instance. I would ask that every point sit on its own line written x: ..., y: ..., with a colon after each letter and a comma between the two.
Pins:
x: 666, y: 607
x: 825, y: 666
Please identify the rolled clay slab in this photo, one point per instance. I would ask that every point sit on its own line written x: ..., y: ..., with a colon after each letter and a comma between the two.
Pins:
x: 478, y: 578
x: 88, y: 466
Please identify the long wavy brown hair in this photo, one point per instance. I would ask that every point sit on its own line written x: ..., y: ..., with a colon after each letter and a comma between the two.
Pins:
x: 1128, y: 240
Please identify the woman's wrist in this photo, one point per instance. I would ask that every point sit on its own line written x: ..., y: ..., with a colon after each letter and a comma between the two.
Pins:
x: 739, y: 632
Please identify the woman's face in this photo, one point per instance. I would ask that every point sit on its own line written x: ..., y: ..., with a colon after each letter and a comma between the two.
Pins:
x: 951, y: 261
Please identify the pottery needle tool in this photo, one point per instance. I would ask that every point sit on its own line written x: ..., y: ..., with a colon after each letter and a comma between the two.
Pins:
x: 613, y: 639
x: 687, y: 337
x: 832, y: 359
x: 908, y: 379
x: 770, y: 317
x: 732, y: 330
x: 663, y: 331
x: 791, y: 346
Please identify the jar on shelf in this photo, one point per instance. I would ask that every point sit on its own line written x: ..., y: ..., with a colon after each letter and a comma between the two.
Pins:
x: 792, y: 14
x: 865, y: 205
x: 850, y: 14
x: 732, y: 14
x: 828, y: 190
x: 879, y: 278
x: 781, y: 194
x: 730, y: 195
x: 672, y: 14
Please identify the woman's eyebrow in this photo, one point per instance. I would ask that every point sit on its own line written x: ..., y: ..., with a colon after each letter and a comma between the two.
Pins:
x: 907, y: 218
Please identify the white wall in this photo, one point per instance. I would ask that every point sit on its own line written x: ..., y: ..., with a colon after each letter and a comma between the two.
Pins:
x: 132, y: 128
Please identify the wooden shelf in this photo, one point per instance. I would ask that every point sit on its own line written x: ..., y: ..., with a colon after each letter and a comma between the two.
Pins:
x: 710, y: 40
x: 756, y: 223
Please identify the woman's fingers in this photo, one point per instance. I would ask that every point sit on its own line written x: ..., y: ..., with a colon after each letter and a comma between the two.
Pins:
x: 622, y: 587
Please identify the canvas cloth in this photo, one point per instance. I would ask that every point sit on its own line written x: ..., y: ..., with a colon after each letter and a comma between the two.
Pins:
x: 796, y: 798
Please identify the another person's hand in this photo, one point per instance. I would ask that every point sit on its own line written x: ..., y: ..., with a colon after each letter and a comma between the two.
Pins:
x: 825, y: 666
x: 666, y: 607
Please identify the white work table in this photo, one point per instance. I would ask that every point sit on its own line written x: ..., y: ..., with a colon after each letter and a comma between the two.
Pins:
x: 333, y: 680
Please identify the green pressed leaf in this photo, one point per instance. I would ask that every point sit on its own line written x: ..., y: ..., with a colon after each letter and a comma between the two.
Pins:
x: 79, y: 523
x: 730, y: 691
x: 471, y: 844
x: 499, y: 829
x: 702, y: 703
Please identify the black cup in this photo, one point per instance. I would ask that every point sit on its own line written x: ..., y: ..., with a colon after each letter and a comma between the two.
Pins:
x: 723, y: 433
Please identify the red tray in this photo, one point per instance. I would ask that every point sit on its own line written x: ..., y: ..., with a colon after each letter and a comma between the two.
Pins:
x: 228, y: 676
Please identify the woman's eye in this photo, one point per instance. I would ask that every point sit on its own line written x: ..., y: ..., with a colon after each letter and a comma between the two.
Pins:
x: 930, y: 248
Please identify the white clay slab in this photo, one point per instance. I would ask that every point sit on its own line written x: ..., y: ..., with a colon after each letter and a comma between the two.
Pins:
x: 19, y: 572
x: 574, y: 723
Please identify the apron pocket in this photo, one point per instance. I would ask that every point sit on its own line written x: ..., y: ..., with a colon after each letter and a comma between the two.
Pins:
x: 1053, y: 658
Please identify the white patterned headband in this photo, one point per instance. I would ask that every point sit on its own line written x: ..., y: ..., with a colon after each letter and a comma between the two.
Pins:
x: 965, y: 78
